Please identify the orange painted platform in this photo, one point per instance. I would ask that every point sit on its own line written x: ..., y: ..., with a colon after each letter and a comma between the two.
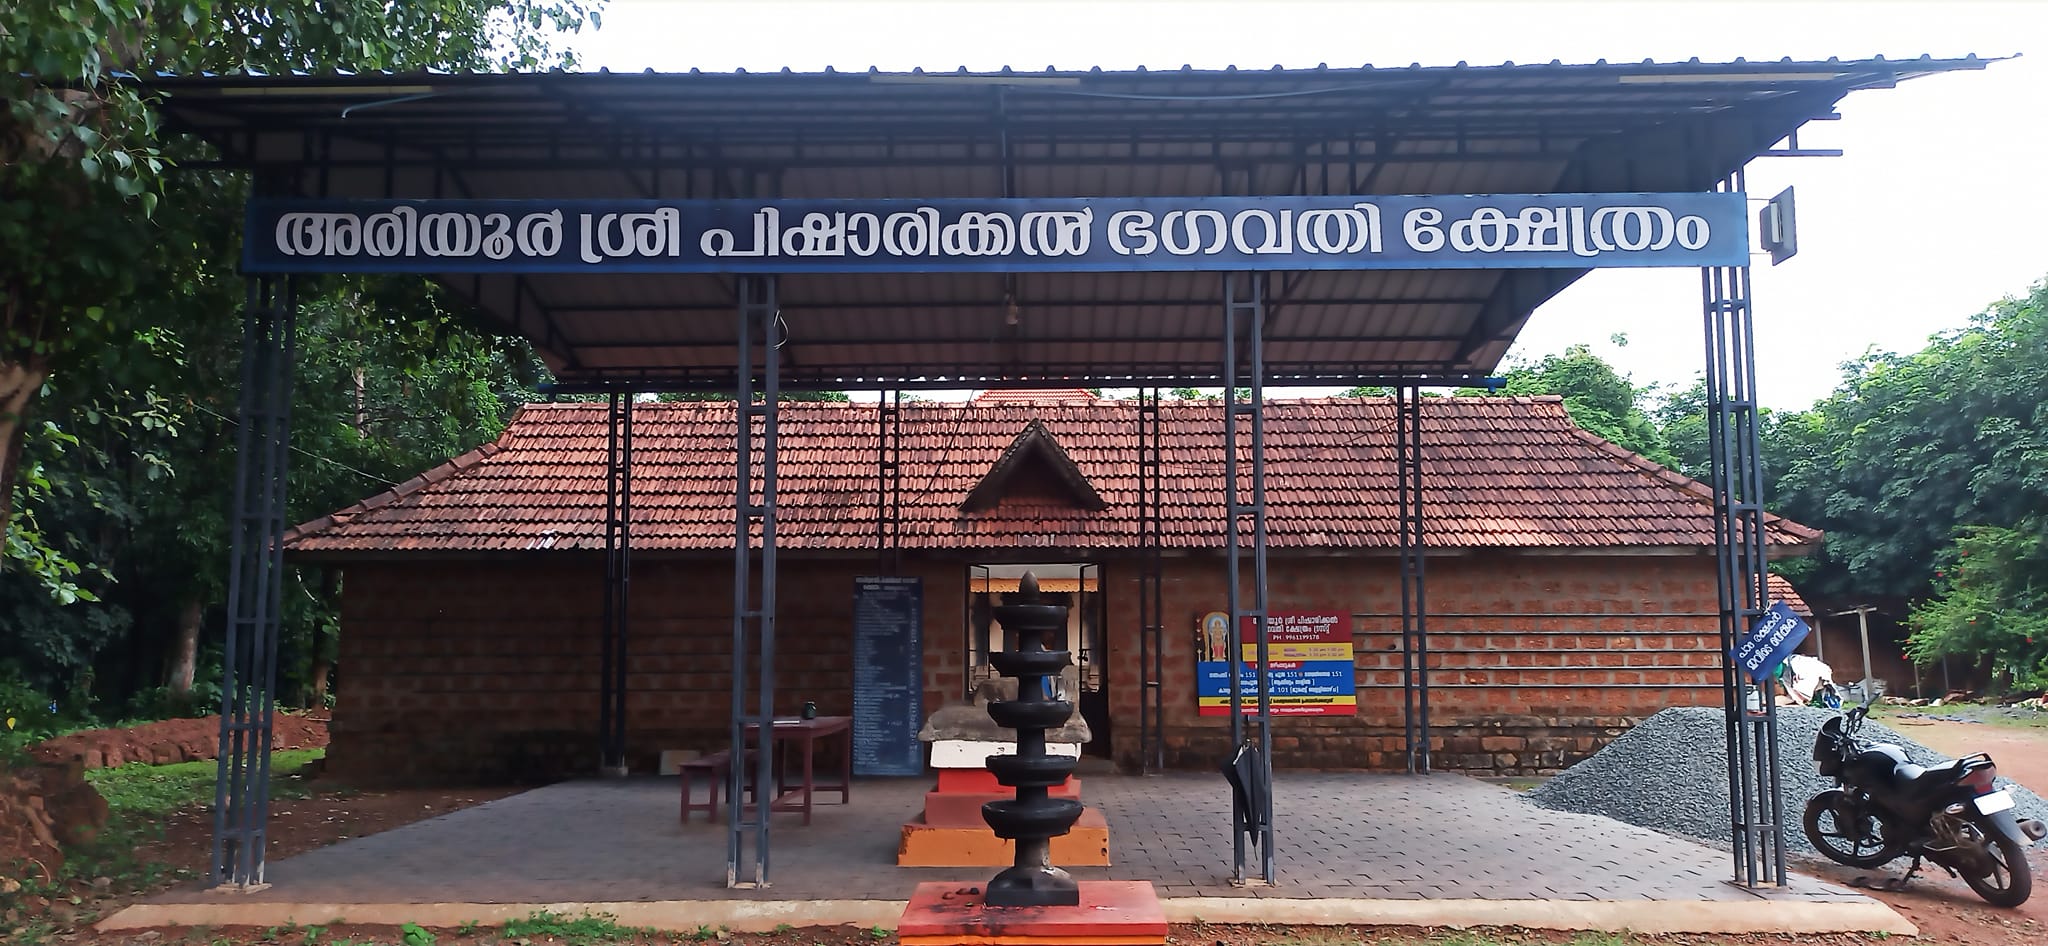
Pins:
x: 1111, y: 913
x: 931, y: 845
x: 962, y: 809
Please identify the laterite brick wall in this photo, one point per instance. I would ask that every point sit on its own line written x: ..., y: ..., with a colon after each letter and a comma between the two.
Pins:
x: 488, y: 671
x: 1535, y: 661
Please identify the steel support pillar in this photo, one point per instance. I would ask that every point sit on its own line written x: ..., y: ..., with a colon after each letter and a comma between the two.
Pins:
x: 1244, y: 317
x: 753, y: 588
x: 241, y: 793
x: 1414, y: 601
x: 1755, y: 797
x: 618, y: 555
x: 1151, y: 591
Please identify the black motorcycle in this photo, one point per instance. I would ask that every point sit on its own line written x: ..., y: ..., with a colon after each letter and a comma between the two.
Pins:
x: 1885, y: 807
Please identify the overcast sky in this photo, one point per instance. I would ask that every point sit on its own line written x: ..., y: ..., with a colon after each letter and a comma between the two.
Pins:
x: 1937, y: 210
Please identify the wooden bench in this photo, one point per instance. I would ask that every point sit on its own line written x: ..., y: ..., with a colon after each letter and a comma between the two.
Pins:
x: 716, y: 769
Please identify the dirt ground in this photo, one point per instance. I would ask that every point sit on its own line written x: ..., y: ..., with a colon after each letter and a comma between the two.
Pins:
x: 1943, y: 907
x: 2021, y: 753
x: 1180, y: 935
x: 326, y: 818
x: 172, y: 740
x: 296, y: 825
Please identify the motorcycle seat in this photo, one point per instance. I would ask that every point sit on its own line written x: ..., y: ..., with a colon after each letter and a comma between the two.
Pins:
x: 1917, y: 780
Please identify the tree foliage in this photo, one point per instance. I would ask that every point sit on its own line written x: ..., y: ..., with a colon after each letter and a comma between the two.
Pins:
x: 119, y: 316
x: 83, y: 161
x: 1598, y: 399
x: 1913, y: 448
x: 1991, y: 600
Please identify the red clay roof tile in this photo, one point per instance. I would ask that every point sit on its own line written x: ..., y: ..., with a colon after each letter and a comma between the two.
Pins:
x: 1499, y: 472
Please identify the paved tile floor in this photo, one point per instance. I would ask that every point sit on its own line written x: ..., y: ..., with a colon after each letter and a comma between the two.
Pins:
x: 1340, y: 835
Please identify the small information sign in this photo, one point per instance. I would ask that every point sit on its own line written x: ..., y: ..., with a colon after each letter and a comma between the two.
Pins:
x: 1777, y: 633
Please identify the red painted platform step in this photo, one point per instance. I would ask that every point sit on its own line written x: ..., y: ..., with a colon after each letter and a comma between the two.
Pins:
x: 1111, y: 913
x: 983, y: 780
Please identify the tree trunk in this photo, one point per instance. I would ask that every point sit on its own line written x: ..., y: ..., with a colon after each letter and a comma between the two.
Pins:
x: 361, y: 376
x: 185, y: 652
x: 324, y: 644
x: 321, y: 670
x: 19, y: 382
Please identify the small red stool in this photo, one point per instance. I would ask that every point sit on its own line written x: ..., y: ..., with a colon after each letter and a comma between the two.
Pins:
x: 716, y: 768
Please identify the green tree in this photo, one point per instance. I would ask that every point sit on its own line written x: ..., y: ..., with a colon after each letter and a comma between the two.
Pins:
x: 118, y: 312
x: 82, y: 161
x: 1991, y: 600
x: 1198, y: 394
x: 1912, y: 448
x: 136, y: 491
x: 1598, y: 399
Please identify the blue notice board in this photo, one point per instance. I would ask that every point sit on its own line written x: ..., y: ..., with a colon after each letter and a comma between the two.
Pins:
x: 888, y: 676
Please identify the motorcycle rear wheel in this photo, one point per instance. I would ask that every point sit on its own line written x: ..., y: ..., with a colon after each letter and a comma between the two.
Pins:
x: 2009, y: 859
x: 1830, y: 834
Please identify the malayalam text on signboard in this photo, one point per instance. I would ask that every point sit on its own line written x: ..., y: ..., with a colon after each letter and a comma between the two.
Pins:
x: 888, y: 690
x: 1108, y: 234
x: 1776, y: 634
x: 1310, y: 663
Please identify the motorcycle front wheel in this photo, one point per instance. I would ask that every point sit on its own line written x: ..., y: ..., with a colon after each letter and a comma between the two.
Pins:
x: 1845, y: 835
x: 2010, y: 881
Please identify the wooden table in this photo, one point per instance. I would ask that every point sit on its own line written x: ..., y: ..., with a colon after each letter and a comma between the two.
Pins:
x: 803, y: 736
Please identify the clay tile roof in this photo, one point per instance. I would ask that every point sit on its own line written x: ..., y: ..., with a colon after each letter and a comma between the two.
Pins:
x: 1499, y: 472
x: 1781, y: 590
x: 1036, y: 396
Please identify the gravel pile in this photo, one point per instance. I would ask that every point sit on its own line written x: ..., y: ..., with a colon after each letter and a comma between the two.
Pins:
x: 1670, y: 773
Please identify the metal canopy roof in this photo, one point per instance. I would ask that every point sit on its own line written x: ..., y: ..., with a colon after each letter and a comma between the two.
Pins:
x: 1366, y: 131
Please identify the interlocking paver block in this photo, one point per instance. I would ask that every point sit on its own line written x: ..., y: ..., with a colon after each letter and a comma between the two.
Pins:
x: 1339, y: 835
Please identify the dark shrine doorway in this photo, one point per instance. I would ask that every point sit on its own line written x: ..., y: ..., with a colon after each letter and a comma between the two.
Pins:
x: 1075, y: 585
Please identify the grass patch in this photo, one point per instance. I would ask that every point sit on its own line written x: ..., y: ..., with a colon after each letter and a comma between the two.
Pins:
x: 141, y: 789
x: 588, y: 929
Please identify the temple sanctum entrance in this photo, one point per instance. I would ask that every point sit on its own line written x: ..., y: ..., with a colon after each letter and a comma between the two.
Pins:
x: 1074, y: 586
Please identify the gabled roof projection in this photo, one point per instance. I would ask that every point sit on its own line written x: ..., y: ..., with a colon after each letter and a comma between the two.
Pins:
x: 1034, y: 456
x: 1499, y: 473
x: 1508, y: 129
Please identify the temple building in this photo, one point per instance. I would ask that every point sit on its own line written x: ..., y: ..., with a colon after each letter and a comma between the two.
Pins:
x: 1570, y: 583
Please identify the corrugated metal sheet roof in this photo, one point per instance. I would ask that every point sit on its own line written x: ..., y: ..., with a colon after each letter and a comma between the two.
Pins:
x: 1613, y: 127
x: 1511, y: 473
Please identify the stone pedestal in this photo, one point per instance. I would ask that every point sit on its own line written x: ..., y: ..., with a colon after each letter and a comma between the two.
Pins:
x: 951, y: 832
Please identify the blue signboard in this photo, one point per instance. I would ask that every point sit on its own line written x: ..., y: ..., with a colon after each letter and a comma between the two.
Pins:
x: 1298, y: 687
x: 888, y: 676
x: 1777, y: 633
x: 1311, y: 663
x: 1107, y: 234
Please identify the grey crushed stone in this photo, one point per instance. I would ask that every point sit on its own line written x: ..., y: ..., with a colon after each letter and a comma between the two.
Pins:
x: 1670, y: 774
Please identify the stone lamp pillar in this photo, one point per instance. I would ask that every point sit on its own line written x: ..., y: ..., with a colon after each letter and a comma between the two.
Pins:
x: 1034, y: 817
